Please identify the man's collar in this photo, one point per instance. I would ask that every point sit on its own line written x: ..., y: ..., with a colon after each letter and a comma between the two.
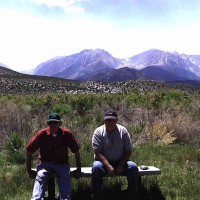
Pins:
x: 48, y: 131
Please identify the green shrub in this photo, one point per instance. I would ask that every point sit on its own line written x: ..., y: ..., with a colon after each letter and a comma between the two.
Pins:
x: 62, y: 109
x: 15, y: 148
x: 2, y: 158
x: 82, y: 103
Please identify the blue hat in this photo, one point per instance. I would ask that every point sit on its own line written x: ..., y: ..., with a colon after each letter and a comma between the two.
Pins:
x: 110, y: 114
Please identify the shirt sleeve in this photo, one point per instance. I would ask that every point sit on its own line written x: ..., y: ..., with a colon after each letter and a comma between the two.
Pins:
x: 96, y: 141
x: 34, y: 144
x: 127, y: 140
x: 71, y: 142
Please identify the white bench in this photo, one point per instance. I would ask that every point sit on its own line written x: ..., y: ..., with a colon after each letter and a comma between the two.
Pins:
x: 151, y: 170
x: 87, y: 171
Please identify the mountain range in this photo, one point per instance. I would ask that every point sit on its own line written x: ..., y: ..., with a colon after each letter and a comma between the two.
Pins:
x: 12, y: 82
x: 100, y: 65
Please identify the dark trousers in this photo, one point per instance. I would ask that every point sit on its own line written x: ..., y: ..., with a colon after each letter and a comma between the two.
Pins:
x: 130, y: 171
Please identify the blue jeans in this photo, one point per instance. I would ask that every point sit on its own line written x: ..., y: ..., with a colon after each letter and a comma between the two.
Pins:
x: 130, y: 171
x: 44, y: 171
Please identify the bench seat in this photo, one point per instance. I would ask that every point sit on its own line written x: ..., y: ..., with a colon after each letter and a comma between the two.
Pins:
x: 87, y: 171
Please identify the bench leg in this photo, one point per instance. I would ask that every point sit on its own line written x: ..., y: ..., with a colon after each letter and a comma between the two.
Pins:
x: 140, y: 181
x: 51, y: 189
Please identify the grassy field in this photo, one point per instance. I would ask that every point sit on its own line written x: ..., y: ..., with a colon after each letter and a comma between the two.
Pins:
x: 164, y: 127
x: 179, y: 164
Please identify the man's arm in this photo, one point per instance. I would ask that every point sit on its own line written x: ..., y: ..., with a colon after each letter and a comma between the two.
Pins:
x: 127, y: 151
x: 125, y: 157
x: 28, y: 161
x: 78, y: 160
x: 77, y: 173
x: 99, y: 156
x: 31, y: 173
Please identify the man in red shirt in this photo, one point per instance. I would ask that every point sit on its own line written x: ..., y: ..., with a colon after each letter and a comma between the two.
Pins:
x: 53, y: 143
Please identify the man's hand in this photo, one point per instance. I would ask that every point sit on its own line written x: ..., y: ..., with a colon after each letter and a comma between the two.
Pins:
x: 110, y: 170
x: 32, y: 173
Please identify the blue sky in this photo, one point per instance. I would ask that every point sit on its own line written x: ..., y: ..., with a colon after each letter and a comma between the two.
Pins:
x: 33, y: 31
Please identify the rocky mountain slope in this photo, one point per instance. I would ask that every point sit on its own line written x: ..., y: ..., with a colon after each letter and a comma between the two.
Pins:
x: 92, y: 71
x: 4, y: 71
x: 91, y: 64
x: 121, y: 74
x: 12, y: 82
x: 71, y: 67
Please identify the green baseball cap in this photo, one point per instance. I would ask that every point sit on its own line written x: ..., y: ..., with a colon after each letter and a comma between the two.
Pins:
x: 54, y: 117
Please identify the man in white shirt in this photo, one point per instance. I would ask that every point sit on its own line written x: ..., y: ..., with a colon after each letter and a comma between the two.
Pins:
x: 112, y: 147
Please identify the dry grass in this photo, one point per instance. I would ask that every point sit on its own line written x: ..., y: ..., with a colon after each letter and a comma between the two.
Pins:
x: 170, y: 123
x: 149, y: 128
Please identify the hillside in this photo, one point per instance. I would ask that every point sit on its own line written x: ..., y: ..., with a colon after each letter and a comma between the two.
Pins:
x: 12, y: 82
x: 37, y: 85
x: 100, y: 66
x: 117, y: 75
x: 8, y: 72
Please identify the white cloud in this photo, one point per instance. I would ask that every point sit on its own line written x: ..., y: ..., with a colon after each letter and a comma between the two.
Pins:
x: 67, y: 5
x: 26, y: 41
